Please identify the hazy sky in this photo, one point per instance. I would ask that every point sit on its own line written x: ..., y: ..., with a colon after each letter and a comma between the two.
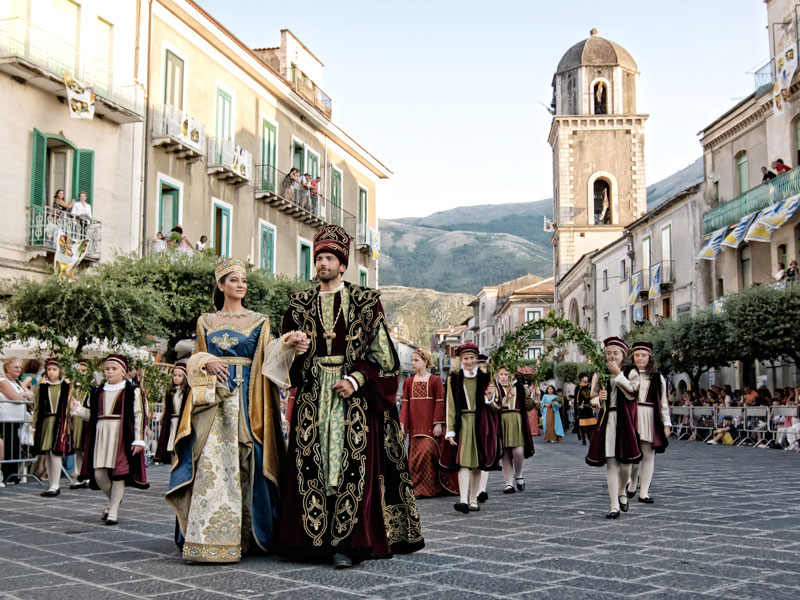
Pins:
x: 447, y: 93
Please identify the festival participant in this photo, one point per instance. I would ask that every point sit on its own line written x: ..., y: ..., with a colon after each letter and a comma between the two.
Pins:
x: 114, y: 450
x: 52, y: 425
x: 346, y: 493
x: 229, y: 444
x: 173, y: 407
x: 584, y: 412
x: 483, y: 495
x: 533, y: 414
x: 652, y: 418
x: 422, y: 418
x: 614, y: 442
x: 472, y: 428
x: 551, y: 416
x: 80, y: 393
x: 509, y: 398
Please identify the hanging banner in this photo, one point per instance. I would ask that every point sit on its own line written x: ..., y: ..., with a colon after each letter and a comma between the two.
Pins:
x: 785, y: 66
x: 549, y: 225
x: 782, y: 215
x: 239, y: 162
x: 735, y: 237
x: 655, y: 282
x: 374, y: 243
x: 69, y: 252
x: 80, y: 99
x: 712, y: 246
x: 190, y: 132
x: 762, y: 228
x: 636, y: 288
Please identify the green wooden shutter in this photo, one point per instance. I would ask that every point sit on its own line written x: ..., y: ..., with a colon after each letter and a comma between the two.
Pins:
x: 39, y: 169
x: 83, y: 174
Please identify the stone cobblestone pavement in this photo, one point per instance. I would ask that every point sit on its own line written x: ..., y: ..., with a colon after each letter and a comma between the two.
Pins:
x: 726, y: 523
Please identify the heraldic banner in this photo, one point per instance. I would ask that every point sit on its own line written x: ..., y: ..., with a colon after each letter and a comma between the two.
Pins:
x: 79, y: 98
x: 69, y: 252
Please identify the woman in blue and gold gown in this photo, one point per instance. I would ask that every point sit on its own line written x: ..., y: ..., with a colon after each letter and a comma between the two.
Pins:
x: 229, y: 447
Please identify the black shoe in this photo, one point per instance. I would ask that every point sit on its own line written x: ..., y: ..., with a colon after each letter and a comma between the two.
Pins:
x: 520, y: 486
x: 50, y: 493
x: 111, y: 521
x: 104, y: 515
x: 630, y: 494
x: 584, y: 442
x: 342, y: 561
x: 647, y: 500
x: 474, y: 507
x: 509, y: 489
x: 462, y: 507
x: 612, y: 514
x: 623, y: 507
x: 483, y: 497
x: 79, y: 484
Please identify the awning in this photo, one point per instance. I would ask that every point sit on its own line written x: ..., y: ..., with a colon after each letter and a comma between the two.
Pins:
x: 711, y: 248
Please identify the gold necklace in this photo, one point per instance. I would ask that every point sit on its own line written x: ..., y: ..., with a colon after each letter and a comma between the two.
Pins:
x: 243, y: 313
x: 328, y: 335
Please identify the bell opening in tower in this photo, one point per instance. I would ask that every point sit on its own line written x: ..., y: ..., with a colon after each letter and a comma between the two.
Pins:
x: 602, y: 202
x: 600, y: 99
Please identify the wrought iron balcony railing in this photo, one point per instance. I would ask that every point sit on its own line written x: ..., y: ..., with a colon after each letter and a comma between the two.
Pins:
x: 177, y: 131
x: 764, y: 79
x: 290, y: 195
x: 45, y: 222
x: 761, y: 196
x: 229, y: 161
x: 646, y: 276
x: 38, y: 48
x: 309, y: 91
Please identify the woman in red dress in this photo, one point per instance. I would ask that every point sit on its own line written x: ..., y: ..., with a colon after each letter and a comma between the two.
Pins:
x: 422, y: 419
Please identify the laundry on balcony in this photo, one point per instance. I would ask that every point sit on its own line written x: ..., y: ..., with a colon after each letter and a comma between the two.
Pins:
x: 229, y: 161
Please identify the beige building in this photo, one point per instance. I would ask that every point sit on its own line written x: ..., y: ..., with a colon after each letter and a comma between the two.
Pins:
x: 597, y: 137
x: 46, y: 150
x: 753, y: 134
x: 227, y: 126
x: 519, y: 305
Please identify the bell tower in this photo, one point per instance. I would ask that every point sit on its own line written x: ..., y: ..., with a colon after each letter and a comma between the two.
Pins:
x: 598, y: 149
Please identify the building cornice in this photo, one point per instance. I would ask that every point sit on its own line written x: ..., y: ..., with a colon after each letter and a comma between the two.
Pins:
x: 594, y: 122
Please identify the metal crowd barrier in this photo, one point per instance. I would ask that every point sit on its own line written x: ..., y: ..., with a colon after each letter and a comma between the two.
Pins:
x: 15, y: 451
x: 757, y: 426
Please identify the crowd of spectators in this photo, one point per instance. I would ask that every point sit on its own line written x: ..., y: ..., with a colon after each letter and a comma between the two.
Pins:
x: 771, y: 428
x: 302, y: 190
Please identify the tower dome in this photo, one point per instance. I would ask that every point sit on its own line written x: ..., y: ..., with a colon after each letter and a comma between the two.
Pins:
x: 595, y: 51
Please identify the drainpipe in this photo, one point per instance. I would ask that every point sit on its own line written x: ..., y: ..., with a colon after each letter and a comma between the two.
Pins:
x: 146, y: 133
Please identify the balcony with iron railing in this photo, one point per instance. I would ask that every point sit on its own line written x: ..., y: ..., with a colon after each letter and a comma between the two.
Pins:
x: 43, y: 224
x: 761, y: 196
x: 764, y: 79
x: 367, y: 238
x: 34, y: 55
x: 179, y: 133
x: 229, y: 162
x: 309, y: 91
x: 288, y: 195
x: 646, y: 277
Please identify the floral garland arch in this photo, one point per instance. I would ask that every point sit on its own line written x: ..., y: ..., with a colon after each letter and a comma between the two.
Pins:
x: 513, y: 345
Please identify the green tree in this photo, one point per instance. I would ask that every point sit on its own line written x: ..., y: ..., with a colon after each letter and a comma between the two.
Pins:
x: 693, y: 344
x: 89, y: 308
x: 569, y: 371
x: 186, y: 284
x: 763, y: 324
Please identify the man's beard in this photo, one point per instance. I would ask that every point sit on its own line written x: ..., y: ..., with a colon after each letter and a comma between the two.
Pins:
x: 327, y: 278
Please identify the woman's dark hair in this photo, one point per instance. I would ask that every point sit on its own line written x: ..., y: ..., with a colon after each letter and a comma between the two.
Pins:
x: 184, y: 388
x: 650, y: 368
x: 177, y: 229
x: 546, y: 390
x: 56, y: 194
x: 31, y: 366
x: 219, y: 298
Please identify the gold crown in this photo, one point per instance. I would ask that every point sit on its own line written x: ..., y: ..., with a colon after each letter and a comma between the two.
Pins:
x: 228, y: 266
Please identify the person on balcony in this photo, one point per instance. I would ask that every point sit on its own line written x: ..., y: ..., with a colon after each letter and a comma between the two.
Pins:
x: 314, y: 194
x: 780, y: 167
x: 305, y: 182
x: 81, y: 209
x: 791, y: 273
x: 61, y: 203
x: 767, y: 175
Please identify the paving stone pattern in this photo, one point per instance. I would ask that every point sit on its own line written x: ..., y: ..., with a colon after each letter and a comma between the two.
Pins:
x: 725, y: 524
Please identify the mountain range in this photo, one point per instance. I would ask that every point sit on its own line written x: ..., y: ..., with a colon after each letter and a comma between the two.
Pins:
x: 465, y: 248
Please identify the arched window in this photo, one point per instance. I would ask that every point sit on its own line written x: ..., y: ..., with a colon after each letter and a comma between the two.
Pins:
x: 600, y: 98
x: 744, y: 261
x: 742, y: 178
x: 574, y: 316
x: 782, y: 256
x: 602, y: 202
